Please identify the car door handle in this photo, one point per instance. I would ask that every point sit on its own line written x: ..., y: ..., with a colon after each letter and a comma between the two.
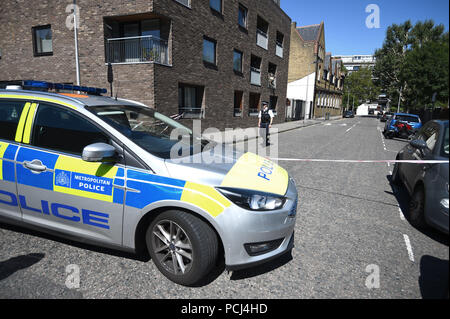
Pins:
x: 35, y: 165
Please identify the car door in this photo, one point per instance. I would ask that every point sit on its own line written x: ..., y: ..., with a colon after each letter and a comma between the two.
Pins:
x: 429, y: 134
x: 11, y: 113
x: 56, y: 188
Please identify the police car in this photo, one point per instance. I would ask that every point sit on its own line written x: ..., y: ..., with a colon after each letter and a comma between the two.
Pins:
x: 99, y: 170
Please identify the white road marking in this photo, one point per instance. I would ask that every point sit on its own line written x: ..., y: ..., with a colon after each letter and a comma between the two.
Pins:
x: 408, y: 247
x: 402, y: 216
x: 352, y: 127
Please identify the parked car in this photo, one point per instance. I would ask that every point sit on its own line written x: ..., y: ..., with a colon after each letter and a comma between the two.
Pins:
x: 349, y: 114
x: 101, y: 170
x: 386, y: 116
x: 410, y: 119
x: 427, y: 184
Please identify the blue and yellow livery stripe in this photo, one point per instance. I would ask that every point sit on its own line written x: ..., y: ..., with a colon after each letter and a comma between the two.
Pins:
x: 205, y: 197
x: 90, y: 180
x: 22, y: 120
x: 258, y: 173
x: 7, y: 156
x: 3, y: 147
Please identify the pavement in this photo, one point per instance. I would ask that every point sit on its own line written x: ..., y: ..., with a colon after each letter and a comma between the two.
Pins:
x: 352, y: 238
x: 236, y: 136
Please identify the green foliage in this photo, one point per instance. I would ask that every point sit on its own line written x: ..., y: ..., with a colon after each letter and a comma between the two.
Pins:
x: 413, y: 64
x: 359, y: 86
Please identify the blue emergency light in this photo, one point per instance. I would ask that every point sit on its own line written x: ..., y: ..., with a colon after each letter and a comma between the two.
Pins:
x: 60, y: 86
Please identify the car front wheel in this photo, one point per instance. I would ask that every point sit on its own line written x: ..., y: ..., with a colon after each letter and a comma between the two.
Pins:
x: 417, y: 208
x: 182, y: 246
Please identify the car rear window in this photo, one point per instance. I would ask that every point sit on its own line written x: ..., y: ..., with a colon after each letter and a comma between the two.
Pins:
x: 406, y: 118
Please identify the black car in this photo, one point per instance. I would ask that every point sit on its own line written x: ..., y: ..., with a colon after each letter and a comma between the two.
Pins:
x: 427, y: 184
x: 386, y: 116
x: 349, y: 114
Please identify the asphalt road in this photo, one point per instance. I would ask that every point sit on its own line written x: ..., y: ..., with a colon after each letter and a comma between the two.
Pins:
x: 353, y: 238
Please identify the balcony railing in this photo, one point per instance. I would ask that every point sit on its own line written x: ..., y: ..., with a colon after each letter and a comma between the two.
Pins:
x: 255, y: 76
x: 192, y: 112
x: 262, y: 39
x: 145, y: 49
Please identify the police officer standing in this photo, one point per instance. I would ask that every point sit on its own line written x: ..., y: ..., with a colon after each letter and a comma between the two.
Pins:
x: 265, y: 122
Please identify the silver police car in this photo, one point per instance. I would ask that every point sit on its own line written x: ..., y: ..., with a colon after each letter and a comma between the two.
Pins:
x: 104, y: 171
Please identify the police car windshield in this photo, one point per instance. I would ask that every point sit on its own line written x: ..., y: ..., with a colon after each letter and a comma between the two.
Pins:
x: 149, y: 129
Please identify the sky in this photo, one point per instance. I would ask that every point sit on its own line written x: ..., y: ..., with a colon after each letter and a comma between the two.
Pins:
x: 346, y: 32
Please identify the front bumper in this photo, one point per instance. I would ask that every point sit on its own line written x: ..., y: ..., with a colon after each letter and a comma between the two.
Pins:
x: 239, y: 227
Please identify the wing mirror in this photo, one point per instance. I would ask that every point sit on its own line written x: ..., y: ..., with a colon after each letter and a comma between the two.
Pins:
x: 419, y: 144
x: 98, y: 152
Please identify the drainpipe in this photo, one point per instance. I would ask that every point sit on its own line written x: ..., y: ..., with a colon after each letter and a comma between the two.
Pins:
x: 75, y: 29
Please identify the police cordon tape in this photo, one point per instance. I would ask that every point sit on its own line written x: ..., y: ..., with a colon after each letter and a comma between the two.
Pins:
x: 359, y: 161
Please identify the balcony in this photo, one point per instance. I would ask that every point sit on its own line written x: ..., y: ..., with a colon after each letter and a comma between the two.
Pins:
x: 192, y: 112
x: 255, y: 76
x: 140, y: 49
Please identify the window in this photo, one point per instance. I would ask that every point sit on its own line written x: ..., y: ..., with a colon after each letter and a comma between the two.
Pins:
x: 237, y: 61
x: 254, y: 100
x: 190, y: 99
x: 272, y: 71
x: 279, y: 44
x: 187, y: 3
x: 62, y: 130
x: 209, y: 51
x: 42, y: 40
x: 242, y: 16
x: 262, y: 30
x: 216, y: 5
x: 273, y: 103
x: 238, y: 103
x: 255, y: 70
x: 9, y: 119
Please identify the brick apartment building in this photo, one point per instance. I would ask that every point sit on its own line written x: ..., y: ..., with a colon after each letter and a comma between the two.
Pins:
x: 315, y: 81
x: 216, y: 60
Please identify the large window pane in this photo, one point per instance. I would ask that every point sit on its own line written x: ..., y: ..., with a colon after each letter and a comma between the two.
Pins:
x: 62, y: 130
x: 242, y: 18
x: 42, y: 40
x: 237, y: 61
x: 216, y: 5
x: 209, y: 51
x: 9, y: 119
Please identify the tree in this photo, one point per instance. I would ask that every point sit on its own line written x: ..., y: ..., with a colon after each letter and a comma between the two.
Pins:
x: 359, y: 86
x: 426, y: 72
x: 407, y: 64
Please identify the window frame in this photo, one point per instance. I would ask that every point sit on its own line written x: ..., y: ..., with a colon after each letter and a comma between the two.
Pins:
x: 208, y: 63
x: 35, y: 49
x: 241, y: 71
x: 214, y: 9
x: 241, y: 6
x: 77, y: 114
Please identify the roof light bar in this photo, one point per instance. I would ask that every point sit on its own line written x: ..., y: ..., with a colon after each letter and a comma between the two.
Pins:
x: 61, y: 86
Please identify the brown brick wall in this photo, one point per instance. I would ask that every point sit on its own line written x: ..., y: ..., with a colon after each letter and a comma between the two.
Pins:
x: 153, y: 84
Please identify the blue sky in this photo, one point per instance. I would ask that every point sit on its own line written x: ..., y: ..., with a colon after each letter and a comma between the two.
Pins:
x: 345, y: 20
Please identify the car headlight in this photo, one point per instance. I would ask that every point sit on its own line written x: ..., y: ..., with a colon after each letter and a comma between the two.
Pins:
x: 252, y: 200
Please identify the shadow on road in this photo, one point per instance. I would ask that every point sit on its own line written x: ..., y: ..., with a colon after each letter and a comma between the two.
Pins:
x: 142, y: 256
x: 403, y: 198
x: 262, y: 269
x: 10, y: 266
x: 433, y: 280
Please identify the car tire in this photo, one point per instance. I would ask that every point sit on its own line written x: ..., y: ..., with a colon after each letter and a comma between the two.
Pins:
x: 190, y: 254
x: 417, y: 208
x: 396, y: 178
